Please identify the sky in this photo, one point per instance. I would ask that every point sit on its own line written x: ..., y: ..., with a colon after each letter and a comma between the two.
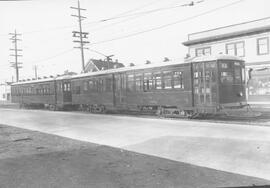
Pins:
x: 135, y: 30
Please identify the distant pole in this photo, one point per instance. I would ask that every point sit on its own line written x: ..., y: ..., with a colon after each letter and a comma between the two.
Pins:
x: 36, y: 75
x: 80, y: 34
x: 16, y: 64
x: 108, y: 58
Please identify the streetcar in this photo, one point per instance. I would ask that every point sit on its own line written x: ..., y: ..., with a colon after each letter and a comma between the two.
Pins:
x: 200, y: 85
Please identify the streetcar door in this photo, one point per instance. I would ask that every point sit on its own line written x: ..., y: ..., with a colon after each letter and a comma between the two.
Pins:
x: 67, y: 97
x: 119, y: 90
x: 205, y: 83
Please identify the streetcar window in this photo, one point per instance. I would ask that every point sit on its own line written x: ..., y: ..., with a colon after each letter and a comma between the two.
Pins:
x: 100, y: 85
x: 196, y: 90
x: 130, y: 82
x: 59, y: 87
x: 237, y: 75
x: 178, y: 80
x: 147, y: 81
x: 93, y: 85
x: 237, y: 64
x: 65, y: 87
x: 196, y: 74
x: 68, y: 86
x: 138, y: 82
x: 167, y: 78
x: 78, y: 89
x: 226, y: 77
x: 224, y: 65
x: 243, y: 75
x: 108, y: 84
x: 210, y: 65
x: 157, y: 80
x: 44, y: 89
x: 85, y: 86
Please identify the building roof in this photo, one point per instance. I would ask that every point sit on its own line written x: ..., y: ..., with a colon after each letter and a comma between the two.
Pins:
x: 102, y: 65
x: 231, y: 31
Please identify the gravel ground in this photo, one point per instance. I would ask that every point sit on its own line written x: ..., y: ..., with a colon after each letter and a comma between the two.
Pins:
x: 30, y: 159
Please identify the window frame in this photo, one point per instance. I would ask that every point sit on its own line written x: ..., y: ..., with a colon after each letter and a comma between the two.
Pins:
x: 203, y: 50
x: 235, y: 48
x: 258, y: 45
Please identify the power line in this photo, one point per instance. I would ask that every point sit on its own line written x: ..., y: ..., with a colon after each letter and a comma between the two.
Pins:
x: 138, y: 15
x: 118, y: 16
x: 167, y: 25
x: 88, y: 23
x: 135, y: 9
x: 153, y: 10
x: 52, y: 57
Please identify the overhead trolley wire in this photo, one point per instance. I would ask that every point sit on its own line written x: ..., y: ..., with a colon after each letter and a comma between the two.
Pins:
x: 169, y: 24
x: 52, y: 57
x: 134, y: 16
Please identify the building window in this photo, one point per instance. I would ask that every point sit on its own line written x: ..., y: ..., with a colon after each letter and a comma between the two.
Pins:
x: 262, y: 46
x: 237, y: 49
x: 203, y: 51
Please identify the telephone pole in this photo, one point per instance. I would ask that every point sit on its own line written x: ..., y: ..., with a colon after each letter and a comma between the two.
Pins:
x: 35, y: 69
x: 16, y: 65
x: 80, y: 34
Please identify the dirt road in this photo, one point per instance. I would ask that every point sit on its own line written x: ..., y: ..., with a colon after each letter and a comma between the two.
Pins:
x: 30, y: 159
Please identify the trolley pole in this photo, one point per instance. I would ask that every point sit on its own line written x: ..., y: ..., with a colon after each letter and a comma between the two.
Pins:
x: 80, y: 34
x: 16, y: 65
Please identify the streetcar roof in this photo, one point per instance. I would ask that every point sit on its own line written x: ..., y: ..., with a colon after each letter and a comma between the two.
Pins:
x: 213, y: 58
x: 34, y: 81
x: 131, y: 68
x: 63, y: 77
x: 137, y: 67
x: 160, y: 64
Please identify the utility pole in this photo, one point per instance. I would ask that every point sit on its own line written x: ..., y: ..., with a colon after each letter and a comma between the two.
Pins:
x: 109, y: 58
x: 35, y: 69
x: 16, y: 65
x: 80, y: 34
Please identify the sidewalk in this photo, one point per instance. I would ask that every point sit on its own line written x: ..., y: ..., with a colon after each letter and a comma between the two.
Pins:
x: 8, y: 104
x: 263, y: 107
